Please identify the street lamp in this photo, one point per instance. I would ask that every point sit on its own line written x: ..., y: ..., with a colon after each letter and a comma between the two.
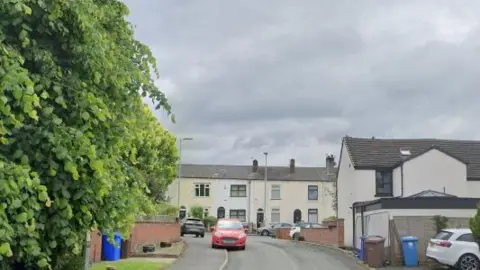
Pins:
x: 265, y: 179
x: 179, y: 172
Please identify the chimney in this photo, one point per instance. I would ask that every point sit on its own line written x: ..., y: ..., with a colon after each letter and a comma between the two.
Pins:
x: 330, y: 163
x: 292, y: 165
x: 255, y: 166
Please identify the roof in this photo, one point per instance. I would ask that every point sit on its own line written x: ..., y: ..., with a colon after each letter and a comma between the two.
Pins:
x: 431, y: 193
x: 384, y: 153
x: 245, y: 172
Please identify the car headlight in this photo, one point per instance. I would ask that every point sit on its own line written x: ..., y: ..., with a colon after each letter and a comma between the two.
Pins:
x: 242, y: 235
x: 218, y: 234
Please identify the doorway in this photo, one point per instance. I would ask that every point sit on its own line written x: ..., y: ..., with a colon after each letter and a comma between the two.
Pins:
x: 182, y: 213
x: 297, y: 216
x: 260, y: 217
x: 220, y: 212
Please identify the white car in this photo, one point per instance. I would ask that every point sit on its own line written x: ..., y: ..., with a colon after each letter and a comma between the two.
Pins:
x: 297, y: 228
x: 455, y: 248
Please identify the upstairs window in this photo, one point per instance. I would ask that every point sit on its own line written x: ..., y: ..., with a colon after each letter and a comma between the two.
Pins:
x: 202, y: 190
x: 238, y: 190
x: 383, y: 184
x: 312, y: 193
x: 275, y: 192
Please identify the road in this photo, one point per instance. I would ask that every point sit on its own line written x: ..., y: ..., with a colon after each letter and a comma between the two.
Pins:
x: 263, y: 253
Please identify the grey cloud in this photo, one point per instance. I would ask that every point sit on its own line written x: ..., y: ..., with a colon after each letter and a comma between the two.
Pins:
x: 248, y: 76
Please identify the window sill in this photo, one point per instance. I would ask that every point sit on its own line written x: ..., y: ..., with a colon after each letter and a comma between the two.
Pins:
x: 275, y: 199
x: 313, y: 200
x: 383, y: 195
x: 238, y: 196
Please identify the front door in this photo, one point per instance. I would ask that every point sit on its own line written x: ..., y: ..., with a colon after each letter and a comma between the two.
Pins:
x: 259, y: 219
x: 297, y: 216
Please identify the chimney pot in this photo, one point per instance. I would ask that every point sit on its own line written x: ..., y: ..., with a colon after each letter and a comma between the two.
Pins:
x: 292, y: 165
x: 255, y: 166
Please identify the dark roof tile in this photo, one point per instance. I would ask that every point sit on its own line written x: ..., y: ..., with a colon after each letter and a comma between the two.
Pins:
x: 275, y: 173
x: 385, y: 153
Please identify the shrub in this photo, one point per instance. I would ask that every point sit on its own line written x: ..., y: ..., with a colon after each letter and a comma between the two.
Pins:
x: 475, y: 225
x: 210, y: 221
x: 196, y: 211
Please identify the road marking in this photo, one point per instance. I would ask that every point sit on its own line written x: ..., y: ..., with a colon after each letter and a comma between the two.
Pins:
x: 224, y: 264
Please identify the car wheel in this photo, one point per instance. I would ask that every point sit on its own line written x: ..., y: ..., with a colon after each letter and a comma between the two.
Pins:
x: 295, y: 236
x: 181, y: 234
x: 468, y: 262
x: 213, y: 246
x: 242, y: 248
x: 202, y: 235
x: 264, y: 233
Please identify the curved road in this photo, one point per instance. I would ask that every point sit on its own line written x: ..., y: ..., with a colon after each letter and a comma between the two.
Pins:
x: 263, y: 253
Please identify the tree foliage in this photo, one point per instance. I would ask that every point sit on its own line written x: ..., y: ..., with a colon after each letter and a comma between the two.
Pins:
x: 475, y: 225
x: 78, y: 148
x: 196, y: 211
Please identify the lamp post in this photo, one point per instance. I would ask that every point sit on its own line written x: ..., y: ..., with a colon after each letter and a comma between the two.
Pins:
x: 179, y: 170
x: 265, y: 179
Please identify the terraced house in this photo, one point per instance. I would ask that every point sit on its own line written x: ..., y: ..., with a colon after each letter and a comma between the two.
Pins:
x: 238, y: 191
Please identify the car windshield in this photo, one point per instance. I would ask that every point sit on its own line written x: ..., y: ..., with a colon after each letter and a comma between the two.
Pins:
x: 229, y: 225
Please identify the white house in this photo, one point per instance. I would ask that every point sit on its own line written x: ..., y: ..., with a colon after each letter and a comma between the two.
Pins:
x: 371, y: 168
x: 238, y: 191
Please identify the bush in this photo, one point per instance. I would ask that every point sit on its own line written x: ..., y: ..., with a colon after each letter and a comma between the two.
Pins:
x: 441, y: 222
x: 196, y: 211
x: 475, y: 225
x: 165, y: 209
x: 210, y: 221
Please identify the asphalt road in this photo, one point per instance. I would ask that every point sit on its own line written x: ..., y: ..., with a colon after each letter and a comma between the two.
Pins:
x: 263, y: 253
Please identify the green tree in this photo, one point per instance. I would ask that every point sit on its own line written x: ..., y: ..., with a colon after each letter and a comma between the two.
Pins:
x: 78, y: 147
x: 475, y: 225
x: 196, y: 211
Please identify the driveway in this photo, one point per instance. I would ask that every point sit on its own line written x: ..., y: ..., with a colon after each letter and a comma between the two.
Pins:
x: 263, y: 253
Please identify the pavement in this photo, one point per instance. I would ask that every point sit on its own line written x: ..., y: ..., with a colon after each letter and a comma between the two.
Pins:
x: 262, y: 253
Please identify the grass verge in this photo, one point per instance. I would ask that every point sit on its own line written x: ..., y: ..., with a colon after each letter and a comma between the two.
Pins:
x: 130, y: 265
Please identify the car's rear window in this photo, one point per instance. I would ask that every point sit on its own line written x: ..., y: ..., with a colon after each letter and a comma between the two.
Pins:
x: 443, y: 235
x: 193, y: 220
x: 229, y: 224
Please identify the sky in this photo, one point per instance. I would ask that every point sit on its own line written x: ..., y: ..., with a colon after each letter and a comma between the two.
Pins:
x: 291, y: 78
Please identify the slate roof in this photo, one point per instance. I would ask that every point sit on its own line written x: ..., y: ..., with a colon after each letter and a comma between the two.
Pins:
x: 245, y: 172
x: 385, y: 153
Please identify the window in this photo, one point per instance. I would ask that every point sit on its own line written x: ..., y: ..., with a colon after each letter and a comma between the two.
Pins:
x: 383, y: 184
x: 312, y: 193
x: 238, y: 190
x: 202, y: 190
x: 275, y: 215
x: 468, y: 237
x: 275, y: 194
x: 443, y: 235
x: 313, y: 215
x: 240, y: 214
x: 205, y: 212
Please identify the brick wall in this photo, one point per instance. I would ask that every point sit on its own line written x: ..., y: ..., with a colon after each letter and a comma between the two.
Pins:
x: 282, y: 233
x: 144, y: 232
x: 95, y: 247
x: 331, y: 234
x: 152, y: 233
x: 422, y: 227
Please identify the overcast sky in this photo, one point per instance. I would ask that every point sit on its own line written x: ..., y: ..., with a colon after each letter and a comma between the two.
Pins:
x: 293, y: 77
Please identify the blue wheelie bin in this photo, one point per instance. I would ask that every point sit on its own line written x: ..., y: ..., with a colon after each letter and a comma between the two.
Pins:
x: 362, y: 253
x: 410, y: 253
x: 110, y: 251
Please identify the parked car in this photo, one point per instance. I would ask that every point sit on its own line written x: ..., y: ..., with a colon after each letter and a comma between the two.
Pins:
x: 229, y: 233
x: 270, y: 230
x: 455, y: 248
x: 193, y: 226
x: 297, y: 228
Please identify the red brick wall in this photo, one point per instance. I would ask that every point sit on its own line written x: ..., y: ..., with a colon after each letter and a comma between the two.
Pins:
x: 330, y: 235
x: 95, y: 247
x: 143, y: 233
x: 153, y: 232
x: 282, y: 233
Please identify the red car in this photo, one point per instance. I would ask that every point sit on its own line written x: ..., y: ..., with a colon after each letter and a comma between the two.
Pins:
x: 229, y: 233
